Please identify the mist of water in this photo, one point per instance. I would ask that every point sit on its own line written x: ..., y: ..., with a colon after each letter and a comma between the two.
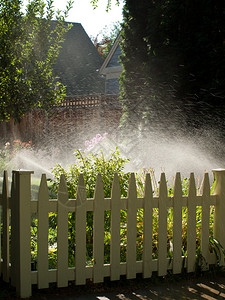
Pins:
x: 38, y: 161
x: 156, y: 147
x: 161, y: 152
x: 173, y: 154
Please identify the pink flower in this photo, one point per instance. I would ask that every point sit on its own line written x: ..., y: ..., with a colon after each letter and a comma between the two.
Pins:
x: 95, y: 140
x: 98, y: 137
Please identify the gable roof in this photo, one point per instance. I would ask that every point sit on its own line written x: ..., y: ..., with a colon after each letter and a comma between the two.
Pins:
x: 111, y: 63
x: 78, y: 63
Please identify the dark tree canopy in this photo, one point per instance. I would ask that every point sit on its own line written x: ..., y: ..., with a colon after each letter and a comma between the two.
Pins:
x: 173, y: 57
x: 29, y: 45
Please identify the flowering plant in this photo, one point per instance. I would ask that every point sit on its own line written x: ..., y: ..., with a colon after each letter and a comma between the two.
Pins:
x: 89, y: 144
x: 10, y: 150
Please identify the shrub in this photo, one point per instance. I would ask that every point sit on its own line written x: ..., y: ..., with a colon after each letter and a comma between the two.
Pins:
x: 9, y: 151
x: 90, y: 166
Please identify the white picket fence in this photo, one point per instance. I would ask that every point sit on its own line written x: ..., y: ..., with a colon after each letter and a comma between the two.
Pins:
x: 17, y: 209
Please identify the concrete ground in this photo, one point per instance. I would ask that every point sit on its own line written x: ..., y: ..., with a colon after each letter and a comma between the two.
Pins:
x: 190, y: 288
x: 207, y: 287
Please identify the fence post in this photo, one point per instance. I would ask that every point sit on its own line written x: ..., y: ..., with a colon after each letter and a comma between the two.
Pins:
x: 219, y: 220
x: 21, y: 219
x: 5, y: 230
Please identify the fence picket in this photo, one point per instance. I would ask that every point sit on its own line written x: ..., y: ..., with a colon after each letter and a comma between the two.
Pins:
x: 5, y: 235
x: 147, y: 228
x: 131, y: 228
x: 191, y: 225
x: 13, y: 232
x: 115, y: 229
x: 177, y: 226
x: 23, y: 233
x: 98, y: 223
x: 162, y: 238
x: 62, y: 238
x: 205, y: 221
x: 219, y: 220
x: 2, y: 225
x: 22, y: 208
x: 42, y: 245
x: 80, y: 229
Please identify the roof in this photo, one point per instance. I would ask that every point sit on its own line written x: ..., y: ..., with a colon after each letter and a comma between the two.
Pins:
x: 78, y: 63
x: 111, y: 64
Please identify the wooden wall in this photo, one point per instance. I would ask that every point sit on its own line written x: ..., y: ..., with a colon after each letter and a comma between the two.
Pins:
x: 75, y: 119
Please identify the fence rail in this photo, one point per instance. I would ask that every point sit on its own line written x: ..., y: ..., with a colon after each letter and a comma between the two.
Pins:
x: 18, y: 267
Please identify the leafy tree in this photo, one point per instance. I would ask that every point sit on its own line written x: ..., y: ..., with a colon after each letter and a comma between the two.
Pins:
x: 108, y: 5
x: 173, y: 58
x: 108, y: 37
x: 29, y: 45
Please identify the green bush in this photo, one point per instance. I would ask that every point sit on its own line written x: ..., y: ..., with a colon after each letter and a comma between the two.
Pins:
x: 90, y: 165
x: 8, y: 152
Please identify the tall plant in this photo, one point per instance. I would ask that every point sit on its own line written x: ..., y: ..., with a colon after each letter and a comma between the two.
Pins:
x: 29, y: 45
x: 173, y: 60
x: 90, y: 165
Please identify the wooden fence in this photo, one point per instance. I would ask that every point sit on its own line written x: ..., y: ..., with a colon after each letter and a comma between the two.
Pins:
x: 90, y: 101
x: 86, y: 115
x: 17, y: 209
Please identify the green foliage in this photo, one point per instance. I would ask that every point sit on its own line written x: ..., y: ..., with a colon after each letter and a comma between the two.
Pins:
x: 52, y: 240
x: 108, y: 37
x: 90, y: 166
x: 218, y: 249
x: 29, y: 45
x: 108, y: 6
x: 8, y: 152
x: 173, y: 55
x: 140, y: 180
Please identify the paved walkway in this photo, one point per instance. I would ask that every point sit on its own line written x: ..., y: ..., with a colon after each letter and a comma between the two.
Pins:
x: 202, y: 288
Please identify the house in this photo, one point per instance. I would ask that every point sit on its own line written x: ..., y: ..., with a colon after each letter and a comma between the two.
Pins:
x: 111, y: 69
x: 84, y: 108
x: 78, y: 64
